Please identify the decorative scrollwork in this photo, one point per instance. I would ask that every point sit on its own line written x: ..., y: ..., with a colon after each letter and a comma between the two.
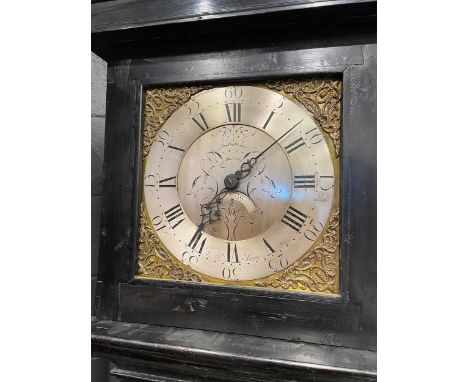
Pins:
x: 317, y: 271
x: 152, y: 257
x: 160, y: 104
x: 320, y: 97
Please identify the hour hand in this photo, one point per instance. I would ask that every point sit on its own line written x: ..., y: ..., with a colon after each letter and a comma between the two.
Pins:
x: 210, y: 212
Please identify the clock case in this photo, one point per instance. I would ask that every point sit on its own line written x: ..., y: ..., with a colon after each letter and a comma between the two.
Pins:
x: 149, y: 326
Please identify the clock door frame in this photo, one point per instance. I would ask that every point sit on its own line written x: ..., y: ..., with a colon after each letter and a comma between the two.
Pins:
x: 347, y: 319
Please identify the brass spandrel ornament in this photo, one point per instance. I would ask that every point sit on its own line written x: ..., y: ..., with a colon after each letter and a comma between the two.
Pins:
x: 278, y: 227
x: 322, y: 98
x: 160, y: 103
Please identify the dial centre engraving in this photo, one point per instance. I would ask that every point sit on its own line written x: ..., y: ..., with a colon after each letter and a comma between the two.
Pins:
x: 256, y: 202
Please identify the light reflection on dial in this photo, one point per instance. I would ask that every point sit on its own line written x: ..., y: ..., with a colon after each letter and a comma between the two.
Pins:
x: 274, y: 215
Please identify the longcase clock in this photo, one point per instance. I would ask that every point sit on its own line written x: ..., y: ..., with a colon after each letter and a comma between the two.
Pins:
x: 238, y: 228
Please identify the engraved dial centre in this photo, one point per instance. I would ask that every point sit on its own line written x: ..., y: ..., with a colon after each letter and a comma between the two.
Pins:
x: 253, y: 203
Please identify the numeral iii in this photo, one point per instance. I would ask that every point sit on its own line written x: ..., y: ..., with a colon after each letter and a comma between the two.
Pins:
x: 304, y: 181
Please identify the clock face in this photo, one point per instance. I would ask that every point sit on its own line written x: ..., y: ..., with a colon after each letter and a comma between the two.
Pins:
x: 239, y: 183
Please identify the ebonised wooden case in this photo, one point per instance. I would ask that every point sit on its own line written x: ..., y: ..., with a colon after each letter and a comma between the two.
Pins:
x: 138, y: 321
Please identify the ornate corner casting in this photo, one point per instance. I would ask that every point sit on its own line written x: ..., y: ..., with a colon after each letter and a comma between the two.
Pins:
x: 153, y: 260
x: 322, y: 98
x: 160, y: 103
x: 317, y: 271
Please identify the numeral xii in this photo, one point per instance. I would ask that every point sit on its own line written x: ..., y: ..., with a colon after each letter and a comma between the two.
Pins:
x: 233, y: 111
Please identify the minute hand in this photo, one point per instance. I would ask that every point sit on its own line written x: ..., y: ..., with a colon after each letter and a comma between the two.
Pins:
x: 275, y: 142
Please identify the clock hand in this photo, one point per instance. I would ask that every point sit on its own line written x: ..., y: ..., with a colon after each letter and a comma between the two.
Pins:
x: 232, y: 180
x: 275, y: 142
x: 207, y: 213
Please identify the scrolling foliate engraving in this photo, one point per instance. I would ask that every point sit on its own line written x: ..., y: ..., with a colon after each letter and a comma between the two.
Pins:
x: 153, y: 260
x: 322, y: 98
x: 317, y: 271
x: 159, y: 105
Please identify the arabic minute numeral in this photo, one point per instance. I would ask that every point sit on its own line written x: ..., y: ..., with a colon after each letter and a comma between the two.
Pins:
x: 312, y: 233
x: 229, y: 273
x: 314, y: 136
x: 233, y: 92
x: 157, y: 221
x: 150, y: 181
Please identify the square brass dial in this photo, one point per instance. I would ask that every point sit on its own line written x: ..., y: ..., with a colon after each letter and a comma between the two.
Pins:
x: 318, y: 269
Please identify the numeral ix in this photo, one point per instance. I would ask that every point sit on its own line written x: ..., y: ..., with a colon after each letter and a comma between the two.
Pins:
x: 173, y: 213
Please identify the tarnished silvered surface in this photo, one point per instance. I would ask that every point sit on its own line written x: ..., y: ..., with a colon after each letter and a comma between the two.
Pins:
x: 317, y: 269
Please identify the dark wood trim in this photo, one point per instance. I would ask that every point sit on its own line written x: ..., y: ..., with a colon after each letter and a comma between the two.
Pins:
x: 149, y: 353
x: 245, y: 65
x: 128, y: 14
x: 149, y: 28
x: 120, y: 186
x: 348, y: 320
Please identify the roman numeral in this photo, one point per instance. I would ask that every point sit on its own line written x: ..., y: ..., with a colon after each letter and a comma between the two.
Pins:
x: 200, y: 122
x: 294, y: 145
x: 294, y: 218
x: 173, y: 213
x: 233, y: 111
x: 304, y: 181
x: 268, y: 120
x: 176, y: 148
x: 268, y: 246
x: 234, y: 253
x: 195, y: 239
x: 167, y: 182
